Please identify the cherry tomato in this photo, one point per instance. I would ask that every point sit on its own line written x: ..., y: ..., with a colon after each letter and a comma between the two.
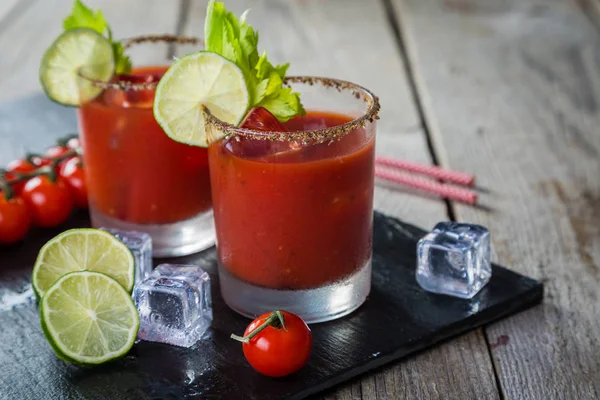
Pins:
x: 52, y: 152
x: 15, y: 219
x: 56, y: 151
x: 22, y: 166
x: 50, y: 202
x: 74, y: 176
x: 281, y: 348
x: 73, y: 143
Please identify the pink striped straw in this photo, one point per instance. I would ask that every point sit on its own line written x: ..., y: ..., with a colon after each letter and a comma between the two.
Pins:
x: 433, y: 171
x: 426, y: 185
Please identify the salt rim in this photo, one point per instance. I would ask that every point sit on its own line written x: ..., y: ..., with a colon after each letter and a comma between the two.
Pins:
x: 312, y: 136
x: 127, y: 43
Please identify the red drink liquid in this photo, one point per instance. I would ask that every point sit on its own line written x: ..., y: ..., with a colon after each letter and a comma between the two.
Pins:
x: 135, y: 173
x: 291, y: 217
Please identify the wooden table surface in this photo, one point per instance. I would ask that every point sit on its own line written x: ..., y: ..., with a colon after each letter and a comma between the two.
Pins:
x: 506, y: 89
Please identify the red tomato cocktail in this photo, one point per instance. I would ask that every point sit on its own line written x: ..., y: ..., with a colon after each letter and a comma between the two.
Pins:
x: 138, y: 179
x: 309, y: 219
x: 135, y: 172
x: 294, y: 214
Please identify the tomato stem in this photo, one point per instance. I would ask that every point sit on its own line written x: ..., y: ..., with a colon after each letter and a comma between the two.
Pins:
x: 48, y: 170
x: 67, y: 154
x: 275, y: 319
x: 5, y: 186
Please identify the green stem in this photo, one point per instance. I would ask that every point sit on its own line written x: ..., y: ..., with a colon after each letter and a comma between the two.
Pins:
x: 49, y: 170
x: 5, y: 186
x: 22, y: 177
x: 275, y: 319
x: 68, y: 154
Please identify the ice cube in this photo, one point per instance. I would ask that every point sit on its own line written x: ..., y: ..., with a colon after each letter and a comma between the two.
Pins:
x: 174, y: 304
x: 257, y: 149
x: 248, y: 147
x: 140, y: 245
x: 454, y: 259
x: 259, y: 118
x: 139, y: 98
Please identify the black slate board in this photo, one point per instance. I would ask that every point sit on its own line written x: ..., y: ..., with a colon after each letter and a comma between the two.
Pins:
x: 398, y: 318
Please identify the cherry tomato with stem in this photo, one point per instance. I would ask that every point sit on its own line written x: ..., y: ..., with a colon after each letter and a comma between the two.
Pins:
x: 276, y: 344
x: 15, y: 219
x: 51, y: 153
x: 74, y: 176
x: 50, y: 202
x: 21, y: 167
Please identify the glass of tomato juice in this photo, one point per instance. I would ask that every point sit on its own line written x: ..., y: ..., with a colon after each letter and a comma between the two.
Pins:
x: 138, y: 179
x: 294, y: 210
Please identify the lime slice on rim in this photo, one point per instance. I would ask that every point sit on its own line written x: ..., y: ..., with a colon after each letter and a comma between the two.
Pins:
x: 88, y: 318
x: 80, y: 250
x: 74, y: 51
x: 198, y: 79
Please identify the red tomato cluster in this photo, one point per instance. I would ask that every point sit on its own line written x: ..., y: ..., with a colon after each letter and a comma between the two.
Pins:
x: 44, y: 190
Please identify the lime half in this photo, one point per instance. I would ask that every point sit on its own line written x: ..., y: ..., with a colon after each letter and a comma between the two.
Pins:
x: 80, y: 250
x: 88, y: 318
x: 198, y: 79
x: 76, y: 50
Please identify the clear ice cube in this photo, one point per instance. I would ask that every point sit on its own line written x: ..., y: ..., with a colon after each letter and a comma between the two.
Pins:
x: 454, y: 259
x: 174, y: 304
x: 140, y: 245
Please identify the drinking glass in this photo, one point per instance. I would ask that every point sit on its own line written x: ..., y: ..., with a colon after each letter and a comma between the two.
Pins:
x: 294, y: 210
x: 138, y: 178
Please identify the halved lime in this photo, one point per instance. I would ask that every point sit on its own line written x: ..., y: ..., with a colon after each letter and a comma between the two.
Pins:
x: 74, y: 51
x: 81, y: 250
x: 89, y: 318
x: 198, y: 79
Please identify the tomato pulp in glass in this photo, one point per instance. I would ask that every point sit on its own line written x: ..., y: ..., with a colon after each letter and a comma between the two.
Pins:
x: 135, y: 172
x: 294, y: 218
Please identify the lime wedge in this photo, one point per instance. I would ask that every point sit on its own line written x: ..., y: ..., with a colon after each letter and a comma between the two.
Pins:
x: 88, y: 318
x: 74, y: 51
x: 198, y: 79
x: 80, y: 250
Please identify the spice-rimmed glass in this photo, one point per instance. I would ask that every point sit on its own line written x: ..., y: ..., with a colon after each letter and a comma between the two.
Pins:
x: 138, y: 178
x: 294, y: 210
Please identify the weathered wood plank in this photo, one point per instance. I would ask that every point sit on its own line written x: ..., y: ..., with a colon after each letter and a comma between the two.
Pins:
x: 511, y: 90
x: 350, y: 39
x: 591, y: 8
x: 9, y: 8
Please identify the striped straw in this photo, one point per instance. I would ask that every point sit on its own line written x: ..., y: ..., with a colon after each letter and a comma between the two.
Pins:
x: 426, y: 185
x: 433, y: 171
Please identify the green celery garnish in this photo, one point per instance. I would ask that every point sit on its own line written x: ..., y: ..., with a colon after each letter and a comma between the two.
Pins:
x: 84, y: 17
x: 237, y: 41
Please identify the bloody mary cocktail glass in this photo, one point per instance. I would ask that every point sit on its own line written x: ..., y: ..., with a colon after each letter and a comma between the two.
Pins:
x: 294, y: 210
x: 139, y: 179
